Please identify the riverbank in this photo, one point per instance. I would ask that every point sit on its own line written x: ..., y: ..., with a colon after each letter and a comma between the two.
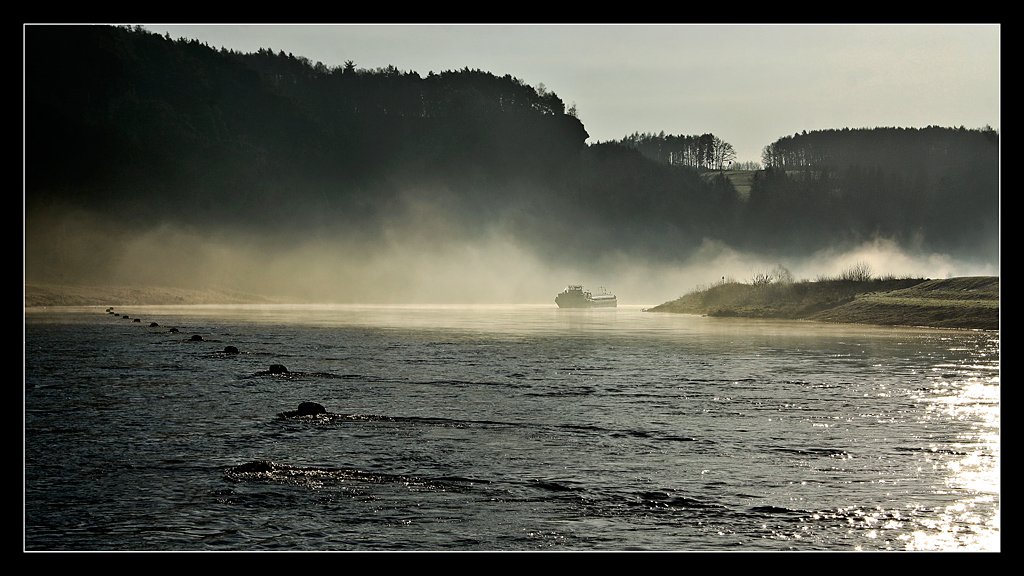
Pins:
x: 967, y: 302
x: 37, y: 295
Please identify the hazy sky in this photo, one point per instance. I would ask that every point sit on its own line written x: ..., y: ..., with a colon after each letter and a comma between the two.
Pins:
x: 747, y: 84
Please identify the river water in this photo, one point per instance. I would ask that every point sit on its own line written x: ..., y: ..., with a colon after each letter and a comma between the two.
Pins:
x: 518, y: 428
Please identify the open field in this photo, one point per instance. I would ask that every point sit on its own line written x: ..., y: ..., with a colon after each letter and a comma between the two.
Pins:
x: 741, y: 179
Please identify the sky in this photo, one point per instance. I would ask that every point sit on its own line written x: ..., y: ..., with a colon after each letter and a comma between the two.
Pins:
x: 747, y: 84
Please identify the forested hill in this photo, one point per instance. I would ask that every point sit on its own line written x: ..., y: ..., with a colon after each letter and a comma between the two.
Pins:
x: 142, y: 123
x: 150, y: 129
x: 938, y: 186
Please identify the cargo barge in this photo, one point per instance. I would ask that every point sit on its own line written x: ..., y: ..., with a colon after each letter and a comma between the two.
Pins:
x: 574, y: 296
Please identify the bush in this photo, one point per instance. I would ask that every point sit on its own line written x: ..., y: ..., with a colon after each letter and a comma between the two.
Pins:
x: 859, y: 272
x: 780, y: 274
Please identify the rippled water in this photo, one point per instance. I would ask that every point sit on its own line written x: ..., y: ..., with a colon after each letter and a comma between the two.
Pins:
x: 504, y: 428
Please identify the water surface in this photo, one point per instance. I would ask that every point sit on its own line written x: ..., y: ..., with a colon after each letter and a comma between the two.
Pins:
x: 504, y: 428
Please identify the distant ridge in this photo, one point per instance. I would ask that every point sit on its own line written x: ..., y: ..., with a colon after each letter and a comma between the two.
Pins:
x: 138, y: 132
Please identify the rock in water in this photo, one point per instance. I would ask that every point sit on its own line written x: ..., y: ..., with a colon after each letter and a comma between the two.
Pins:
x: 255, y: 466
x: 306, y: 409
x: 311, y: 409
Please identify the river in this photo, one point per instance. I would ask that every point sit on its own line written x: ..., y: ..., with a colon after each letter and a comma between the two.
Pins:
x: 505, y: 428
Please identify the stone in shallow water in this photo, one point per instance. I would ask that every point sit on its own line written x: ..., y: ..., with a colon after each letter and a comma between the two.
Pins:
x: 311, y: 408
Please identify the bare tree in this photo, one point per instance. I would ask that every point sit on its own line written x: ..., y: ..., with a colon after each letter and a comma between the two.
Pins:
x: 724, y: 154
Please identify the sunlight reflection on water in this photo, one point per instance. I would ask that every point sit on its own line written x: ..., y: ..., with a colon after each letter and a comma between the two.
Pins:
x: 972, y: 463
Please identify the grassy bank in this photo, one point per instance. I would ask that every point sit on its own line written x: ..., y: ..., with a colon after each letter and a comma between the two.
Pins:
x: 968, y: 302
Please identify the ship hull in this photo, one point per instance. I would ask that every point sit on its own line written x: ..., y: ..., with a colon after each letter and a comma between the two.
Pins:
x: 588, y: 304
x: 585, y: 302
x: 575, y: 297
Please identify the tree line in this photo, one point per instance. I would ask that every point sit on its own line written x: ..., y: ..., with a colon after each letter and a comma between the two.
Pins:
x: 147, y: 127
x: 934, y: 185
x: 891, y: 148
x: 703, y: 152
